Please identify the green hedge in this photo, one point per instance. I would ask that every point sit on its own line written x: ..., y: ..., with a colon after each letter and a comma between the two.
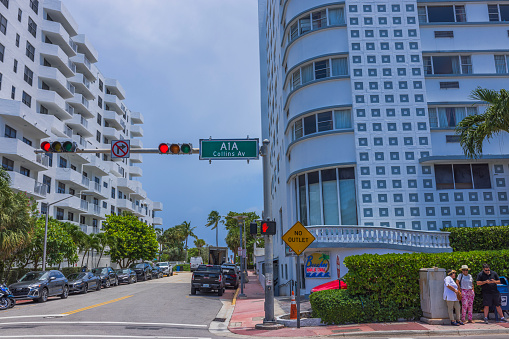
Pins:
x: 16, y: 273
x: 463, y: 239
x: 340, y: 307
x: 185, y: 267
x: 393, y: 279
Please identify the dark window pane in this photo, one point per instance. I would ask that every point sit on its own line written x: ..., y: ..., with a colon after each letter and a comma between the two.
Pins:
x: 310, y: 124
x: 481, y: 174
x: 329, y: 175
x: 312, y: 178
x: 440, y: 14
x: 504, y: 12
x: 302, y: 200
x: 324, y: 121
x: 346, y: 173
x: 443, y: 177
x: 462, y: 176
x: 444, y: 65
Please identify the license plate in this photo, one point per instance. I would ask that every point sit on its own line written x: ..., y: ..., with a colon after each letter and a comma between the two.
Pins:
x: 227, y: 283
x: 206, y: 285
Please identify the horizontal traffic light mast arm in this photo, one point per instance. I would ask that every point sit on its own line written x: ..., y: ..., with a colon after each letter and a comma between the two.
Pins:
x: 108, y: 150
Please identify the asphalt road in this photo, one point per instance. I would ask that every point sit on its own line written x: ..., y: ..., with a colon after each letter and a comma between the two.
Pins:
x: 161, y: 308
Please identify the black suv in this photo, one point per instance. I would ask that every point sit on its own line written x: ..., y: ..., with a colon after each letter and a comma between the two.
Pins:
x: 143, y: 270
x: 39, y: 285
x: 107, y: 274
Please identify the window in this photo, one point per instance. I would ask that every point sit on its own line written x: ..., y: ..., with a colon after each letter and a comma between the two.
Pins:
x: 2, y: 52
x: 7, y: 164
x: 100, y: 85
x: 99, y: 119
x: 32, y: 27
x: 70, y: 216
x: 322, y: 69
x: 3, y: 24
x: 113, y: 192
x: 13, y: 92
x: 321, y: 122
x: 94, y: 223
x: 30, y: 51
x: 10, y: 132
x: 20, y: 13
x: 61, y: 188
x: 455, y: 13
x: 447, y: 64
x: 316, y: 20
x: 63, y: 163
x: 17, y: 39
x: 99, y: 101
x: 26, y: 99
x: 319, y: 70
x: 462, y: 176
x: 448, y: 117
x: 5, y: 2
x: 26, y: 141
x: 501, y: 62
x: 15, y: 66
x: 60, y: 213
x: 24, y: 171
x: 319, y: 200
x: 498, y: 12
x: 120, y: 194
x: 34, y: 5
x: 28, y: 76
x: 98, y: 136
x: 47, y: 181
x: 44, y: 208
x: 1, y: 76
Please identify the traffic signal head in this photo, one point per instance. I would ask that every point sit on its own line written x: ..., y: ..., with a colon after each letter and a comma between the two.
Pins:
x: 253, y: 228
x: 268, y: 228
x: 59, y: 147
x: 176, y: 148
x: 46, y: 146
x: 69, y: 146
x: 163, y: 148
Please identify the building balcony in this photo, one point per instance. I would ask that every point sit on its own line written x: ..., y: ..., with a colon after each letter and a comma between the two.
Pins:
x: 94, y: 211
x: 57, y: 58
x: 379, y: 237
x: 140, y: 193
x: 81, y: 105
x: 139, y: 211
x: 157, y: 206
x: 53, y: 103
x: 99, y: 166
x: 85, y: 47
x: 114, y: 120
x: 115, y: 88
x: 80, y: 125
x: 125, y: 204
x: 137, y: 118
x: 136, y: 131
x: 82, y: 86
x: 19, y: 113
x: 22, y: 183
x: 135, y: 171
x: 136, y: 143
x: 57, y: 34
x: 59, y: 13
x: 136, y: 158
x: 116, y: 169
x: 157, y: 221
x: 73, y: 204
x: 18, y: 151
x: 111, y: 133
x: 57, y: 126
x: 97, y: 190
x: 113, y: 103
x: 84, y: 66
x: 70, y: 176
x: 125, y: 185
x: 56, y: 81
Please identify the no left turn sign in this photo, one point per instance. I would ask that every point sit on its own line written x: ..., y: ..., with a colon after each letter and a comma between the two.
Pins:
x: 120, y: 149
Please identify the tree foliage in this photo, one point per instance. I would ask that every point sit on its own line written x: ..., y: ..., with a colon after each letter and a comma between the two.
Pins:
x: 233, y: 235
x: 213, y: 221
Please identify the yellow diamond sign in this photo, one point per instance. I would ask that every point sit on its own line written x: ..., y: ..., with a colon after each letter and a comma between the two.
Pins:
x: 298, y: 238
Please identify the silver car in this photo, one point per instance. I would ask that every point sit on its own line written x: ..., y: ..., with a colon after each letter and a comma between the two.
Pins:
x: 166, y: 268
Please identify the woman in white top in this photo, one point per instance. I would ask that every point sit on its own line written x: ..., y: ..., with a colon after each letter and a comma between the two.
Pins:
x: 451, y: 297
x: 466, y: 283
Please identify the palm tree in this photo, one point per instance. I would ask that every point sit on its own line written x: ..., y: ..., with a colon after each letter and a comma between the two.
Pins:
x: 187, y: 231
x: 213, y: 220
x: 475, y: 129
x: 160, y: 239
x: 103, y: 241
x: 199, y: 243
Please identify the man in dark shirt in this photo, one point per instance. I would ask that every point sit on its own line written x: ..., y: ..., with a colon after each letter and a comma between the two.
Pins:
x: 488, y: 281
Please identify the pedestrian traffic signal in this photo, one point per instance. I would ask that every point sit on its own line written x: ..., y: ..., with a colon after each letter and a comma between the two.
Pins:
x: 253, y: 228
x: 176, y: 148
x: 59, y: 147
x: 268, y: 228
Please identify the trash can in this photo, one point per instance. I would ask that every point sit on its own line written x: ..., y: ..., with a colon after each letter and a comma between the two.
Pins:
x: 503, y: 288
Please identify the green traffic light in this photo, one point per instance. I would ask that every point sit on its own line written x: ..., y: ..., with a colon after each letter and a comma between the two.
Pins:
x: 185, y: 148
x: 68, y: 146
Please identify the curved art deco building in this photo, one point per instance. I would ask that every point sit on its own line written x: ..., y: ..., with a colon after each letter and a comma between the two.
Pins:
x: 360, y: 100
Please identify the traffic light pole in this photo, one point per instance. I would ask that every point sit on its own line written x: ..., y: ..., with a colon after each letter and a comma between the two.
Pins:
x: 108, y: 151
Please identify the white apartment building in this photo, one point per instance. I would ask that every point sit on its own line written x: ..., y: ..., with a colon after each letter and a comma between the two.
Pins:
x: 359, y: 101
x: 50, y: 89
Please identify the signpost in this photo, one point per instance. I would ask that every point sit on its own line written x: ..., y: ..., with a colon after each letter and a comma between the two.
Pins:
x: 229, y: 149
x: 298, y: 238
x: 120, y: 149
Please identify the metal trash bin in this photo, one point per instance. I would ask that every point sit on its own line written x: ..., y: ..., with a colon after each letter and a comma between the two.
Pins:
x: 503, y: 288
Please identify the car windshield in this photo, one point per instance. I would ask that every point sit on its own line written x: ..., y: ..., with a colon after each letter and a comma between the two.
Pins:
x: 100, y: 270
x: 141, y: 265
x: 75, y: 276
x: 209, y: 268
x: 30, y: 276
x: 163, y: 264
x: 125, y: 270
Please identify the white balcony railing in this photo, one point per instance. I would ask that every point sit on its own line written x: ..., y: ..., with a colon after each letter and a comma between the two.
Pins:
x: 85, y: 181
x: 84, y: 227
x: 380, y: 235
x: 84, y: 102
x: 42, y: 159
x: 72, y: 66
x: 73, y: 45
x: 69, y: 109
x: 84, y: 204
x: 97, y: 187
x: 68, y: 131
x: 84, y: 122
x: 40, y: 189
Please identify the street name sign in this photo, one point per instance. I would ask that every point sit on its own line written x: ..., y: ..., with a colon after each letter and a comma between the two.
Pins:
x: 120, y: 149
x: 298, y: 238
x: 229, y: 149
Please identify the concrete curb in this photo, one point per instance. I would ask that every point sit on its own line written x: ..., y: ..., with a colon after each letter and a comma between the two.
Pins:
x: 429, y: 333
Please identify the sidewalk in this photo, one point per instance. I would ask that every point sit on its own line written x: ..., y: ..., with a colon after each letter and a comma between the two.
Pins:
x: 249, y: 312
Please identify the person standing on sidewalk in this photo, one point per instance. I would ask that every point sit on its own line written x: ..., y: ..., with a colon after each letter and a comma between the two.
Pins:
x: 466, y: 283
x: 488, y: 281
x: 451, y: 294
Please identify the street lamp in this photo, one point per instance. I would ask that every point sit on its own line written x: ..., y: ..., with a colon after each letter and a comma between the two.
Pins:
x: 46, y: 231
x: 240, y: 220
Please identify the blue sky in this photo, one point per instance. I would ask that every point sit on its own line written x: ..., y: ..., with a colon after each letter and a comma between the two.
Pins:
x: 192, y: 69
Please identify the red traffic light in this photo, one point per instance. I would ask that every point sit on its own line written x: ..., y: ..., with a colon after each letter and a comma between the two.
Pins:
x: 45, y: 146
x: 268, y: 228
x: 163, y: 148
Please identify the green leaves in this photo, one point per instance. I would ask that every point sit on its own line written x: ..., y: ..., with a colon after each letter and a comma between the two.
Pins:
x: 478, y: 238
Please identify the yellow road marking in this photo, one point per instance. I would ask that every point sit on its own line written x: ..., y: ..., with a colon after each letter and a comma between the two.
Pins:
x: 97, y: 305
x: 235, y: 296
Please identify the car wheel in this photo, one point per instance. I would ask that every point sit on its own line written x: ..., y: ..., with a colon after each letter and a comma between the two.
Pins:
x: 193, y: 291
x: 130, y: 280
x: 220, y: 292
x: 85, y: 288
x: 116, y: 282
x: 98, y: 288
x: 4, y: 303
x: 43, y: 295
x: 135, y: 279
x: 161, y: 275
x: 65, y: 292
x: 108, y: 283
x: 171, y: 274
x: 144, y: 277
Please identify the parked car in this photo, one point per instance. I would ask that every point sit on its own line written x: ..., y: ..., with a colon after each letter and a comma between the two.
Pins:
x: 231, y: 277
x: 83, y: 282
x: 143, y: 270
x: 166, y: 267
x: 107, y: 275
x: 208, y: 278
x: 231, y: 266
x: 40, y: 285
x: 126, y: 275
x: 157, y: 272
x: 194, y: 262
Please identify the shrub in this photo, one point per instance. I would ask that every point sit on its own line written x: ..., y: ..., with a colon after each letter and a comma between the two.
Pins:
x: 393, y: 279
x: 463, y: 239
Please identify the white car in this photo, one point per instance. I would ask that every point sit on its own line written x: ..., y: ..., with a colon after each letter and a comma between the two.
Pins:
x: 195, y: 262
x: 166, y: 268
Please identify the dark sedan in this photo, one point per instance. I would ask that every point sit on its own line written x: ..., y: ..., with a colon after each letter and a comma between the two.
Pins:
x: 107, y: 275
x: 83, y: 282
x: 143, y: 270
x: 40, y: 285
x: 126, y: 275
x: 157, y: 272
x: 231, y: 277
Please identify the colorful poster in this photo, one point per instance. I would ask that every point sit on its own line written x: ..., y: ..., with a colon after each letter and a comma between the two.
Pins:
x: 317, y: 265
